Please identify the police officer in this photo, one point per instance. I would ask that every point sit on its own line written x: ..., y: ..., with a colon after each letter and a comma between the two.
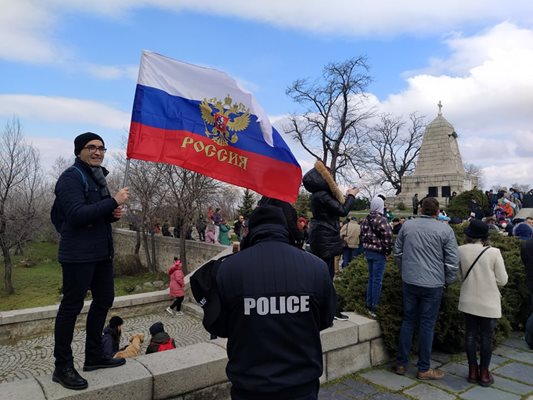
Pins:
x: 274, y: 301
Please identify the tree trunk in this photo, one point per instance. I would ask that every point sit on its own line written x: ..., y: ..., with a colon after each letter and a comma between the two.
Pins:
x: 154, y: 258
x: 19, y: 250
x: 137, y: 242
x: 183, y: 252
x: 8, y: 265
x: 147, y: 251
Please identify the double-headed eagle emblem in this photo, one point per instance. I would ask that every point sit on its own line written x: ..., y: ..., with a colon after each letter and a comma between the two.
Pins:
x: 223, y: 119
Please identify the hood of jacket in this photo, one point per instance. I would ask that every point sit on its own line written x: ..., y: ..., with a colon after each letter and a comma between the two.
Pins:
x: 160, y: 337
x: 319, y: 179
x: 377, y: 204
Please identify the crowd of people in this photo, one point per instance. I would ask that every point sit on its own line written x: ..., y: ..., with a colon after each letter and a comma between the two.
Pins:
x: 272, y: 298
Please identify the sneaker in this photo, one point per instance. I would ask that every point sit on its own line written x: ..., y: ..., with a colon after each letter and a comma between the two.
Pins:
x: 341, y: 317
x: 170, y: 311
x: 69, y: 378
x: 371, y: 313
x: 430, y: 374
x: 178, y: 313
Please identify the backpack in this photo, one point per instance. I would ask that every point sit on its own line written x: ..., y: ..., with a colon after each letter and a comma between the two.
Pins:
x: 56, y: 214
x: 168, y: 345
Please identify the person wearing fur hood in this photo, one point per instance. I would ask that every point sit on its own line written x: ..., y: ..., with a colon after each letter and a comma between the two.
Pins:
x: 328, y: 204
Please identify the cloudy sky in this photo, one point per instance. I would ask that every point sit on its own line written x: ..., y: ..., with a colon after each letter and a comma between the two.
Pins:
x: 69, y: 66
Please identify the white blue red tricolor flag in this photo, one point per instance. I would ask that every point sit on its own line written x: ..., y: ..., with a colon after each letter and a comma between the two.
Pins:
x: 200, y: 119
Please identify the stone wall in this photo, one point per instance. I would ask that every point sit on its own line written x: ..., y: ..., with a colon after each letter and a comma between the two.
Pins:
x: 31, y: 322
x: 166, y: 249
x: 197, y: 372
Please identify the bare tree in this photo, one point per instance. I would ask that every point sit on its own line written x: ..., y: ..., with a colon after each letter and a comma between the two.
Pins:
x: 331, y: 128
x: 60, y: 164
x: 520, y: 187
x: 186, y: 190
x: 370, y: 185
x: 146, y: 183
x: 228, y: 199
x: 393, y: 147
x: 473, y: 171
x: 20, y: 182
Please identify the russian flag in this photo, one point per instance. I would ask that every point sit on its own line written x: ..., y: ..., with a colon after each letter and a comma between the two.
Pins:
x: 200, y: 119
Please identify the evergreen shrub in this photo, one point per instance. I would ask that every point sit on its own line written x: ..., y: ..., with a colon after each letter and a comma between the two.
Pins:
x: 459, y: 206
x: 449, y: 330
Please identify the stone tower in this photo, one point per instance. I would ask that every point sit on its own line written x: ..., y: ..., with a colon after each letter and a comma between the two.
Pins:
x: 439, y: 170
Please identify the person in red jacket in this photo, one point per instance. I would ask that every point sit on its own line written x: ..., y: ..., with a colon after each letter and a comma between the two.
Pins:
x: 177, y: 287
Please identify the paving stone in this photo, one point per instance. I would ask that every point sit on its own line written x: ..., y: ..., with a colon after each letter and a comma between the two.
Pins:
x: 514, y: 354
x: 496, y: 361
x: 388, y: 379
x: 517, y: 343
x: 511, y: 386
x: 333, y: 393
x: 440, y: 357
x: 489, y: 393
x: 457, y: 369
x: 362, y: 388
x: 389, y: 396
x: 451, y: 383
x: 34, y: 357
x: 517, y: 371
x: 424, y: 391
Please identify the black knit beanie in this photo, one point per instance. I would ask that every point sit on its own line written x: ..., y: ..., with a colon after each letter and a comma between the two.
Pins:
x: 156, y: 328
x: 83, y: 139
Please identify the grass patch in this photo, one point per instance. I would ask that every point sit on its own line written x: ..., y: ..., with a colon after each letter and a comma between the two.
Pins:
x: 39, y: 284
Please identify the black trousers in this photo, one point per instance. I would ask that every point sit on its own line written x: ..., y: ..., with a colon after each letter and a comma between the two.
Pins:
x: 78, y: 278
x: 177, y: 303
x: 484, y: 327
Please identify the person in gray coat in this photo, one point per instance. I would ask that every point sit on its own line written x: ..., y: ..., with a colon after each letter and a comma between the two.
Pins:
x: 428, y: 257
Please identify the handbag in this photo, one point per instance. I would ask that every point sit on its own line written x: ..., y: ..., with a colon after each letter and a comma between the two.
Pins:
x: 475, y: 261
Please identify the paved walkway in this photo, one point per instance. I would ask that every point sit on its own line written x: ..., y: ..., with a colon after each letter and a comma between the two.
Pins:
x: 34, y: 357
x: 512, y: 366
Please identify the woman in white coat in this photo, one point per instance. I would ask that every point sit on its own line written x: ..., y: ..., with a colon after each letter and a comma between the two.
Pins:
x: 482, y: 272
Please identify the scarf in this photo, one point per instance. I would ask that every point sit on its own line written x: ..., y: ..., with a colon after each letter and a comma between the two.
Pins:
x: 99, y: 175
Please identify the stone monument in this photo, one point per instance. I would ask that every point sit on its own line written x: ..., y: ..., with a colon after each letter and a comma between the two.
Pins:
x: 439, y: 170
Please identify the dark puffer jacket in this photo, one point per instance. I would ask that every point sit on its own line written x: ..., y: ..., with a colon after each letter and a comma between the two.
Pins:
x: 110, y: 341
x: 86, y: 231
x: 328, y: 204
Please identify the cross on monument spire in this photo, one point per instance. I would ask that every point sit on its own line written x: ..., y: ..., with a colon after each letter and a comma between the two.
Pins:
x: 440, y: 107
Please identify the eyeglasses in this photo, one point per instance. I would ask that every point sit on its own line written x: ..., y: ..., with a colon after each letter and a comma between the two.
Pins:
x: 92, y: 148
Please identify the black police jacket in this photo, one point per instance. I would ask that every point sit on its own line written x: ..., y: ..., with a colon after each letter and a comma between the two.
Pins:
x: 275, y: 299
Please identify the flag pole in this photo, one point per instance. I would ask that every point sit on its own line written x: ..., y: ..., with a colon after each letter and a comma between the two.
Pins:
x: 126, y: 173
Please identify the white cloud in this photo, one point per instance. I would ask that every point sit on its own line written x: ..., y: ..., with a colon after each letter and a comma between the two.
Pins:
x: 486, y: 86
x: 109, y: 72
x: 63, y: 109
x: 346, y: 17
x: 26, y: 28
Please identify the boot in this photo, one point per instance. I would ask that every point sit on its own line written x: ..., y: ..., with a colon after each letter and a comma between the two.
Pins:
x: 473, y: 373
x: 485, y: 377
